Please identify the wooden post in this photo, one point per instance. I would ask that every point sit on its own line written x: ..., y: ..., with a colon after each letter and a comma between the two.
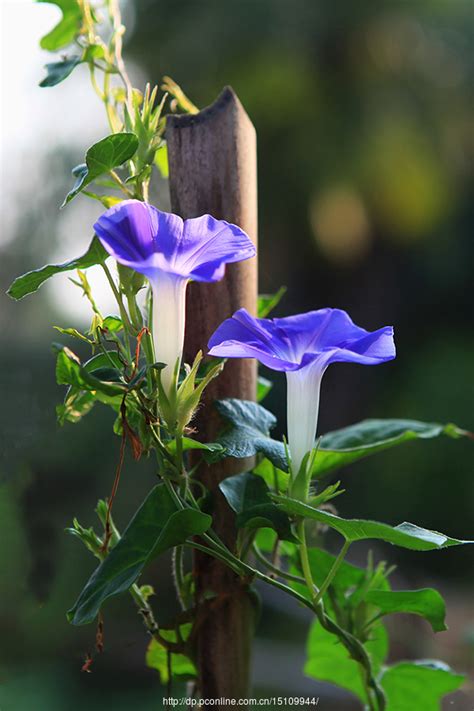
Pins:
x: 212, y: 161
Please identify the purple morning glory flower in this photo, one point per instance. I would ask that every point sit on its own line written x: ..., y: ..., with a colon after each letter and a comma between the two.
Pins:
x: 170, y: 251
x: 303, y: 346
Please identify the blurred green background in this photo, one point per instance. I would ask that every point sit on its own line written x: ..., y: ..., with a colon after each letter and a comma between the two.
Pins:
x: 364, y: 118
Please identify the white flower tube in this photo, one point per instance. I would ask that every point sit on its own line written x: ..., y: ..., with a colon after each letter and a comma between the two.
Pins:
x: 303, y: 388
x: 169, y: 313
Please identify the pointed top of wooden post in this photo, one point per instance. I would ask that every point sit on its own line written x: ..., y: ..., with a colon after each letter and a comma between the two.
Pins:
x: 212, y: 158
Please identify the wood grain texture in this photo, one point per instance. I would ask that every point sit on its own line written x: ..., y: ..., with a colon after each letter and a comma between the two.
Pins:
x: 212, y: 162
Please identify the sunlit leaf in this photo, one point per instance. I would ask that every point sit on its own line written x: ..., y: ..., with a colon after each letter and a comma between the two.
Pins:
x: 161, y: 160
x: 267, y: 302
x: 109, y: 153
x: 67, y: 28
x: 263, y: 388
x: 427, y: 603
x: 157, y: 656
x: 30, y: 282
x: 418, y: 685
x: 76, y: 405
x: 91, y: 376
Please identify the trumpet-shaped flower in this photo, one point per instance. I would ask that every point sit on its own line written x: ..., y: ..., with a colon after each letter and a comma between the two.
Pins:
x: 303, y: 346
x: 170, y: 251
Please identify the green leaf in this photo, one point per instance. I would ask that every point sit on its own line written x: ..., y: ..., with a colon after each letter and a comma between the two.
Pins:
x: 249, y: 429
x: 76, y: 405
x: 112, y: 323
x: 327, y: 660
x: 56, y: 72
x: 406, y: 535
x: 274, y: 477
x: 157, y: 656
x: 109, y: 153
x: 347, y: 576
x: 250, y: 425
x: 427, y: 603
x: 418, y: 685
x: 347, y: 445
x: 247, y: 495
x: 100, y: 361
x: 156, y: 527
x: 74, y: 333
x: 263, y: 388
x: 267, y: 302
x: 68, y: 27
x: 30, y: 282
x: 212, y: 452
x: 70, y: 371
x: 161, y: 160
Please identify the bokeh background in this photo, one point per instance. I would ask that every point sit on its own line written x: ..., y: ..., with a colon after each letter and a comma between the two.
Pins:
x: 364, y: 119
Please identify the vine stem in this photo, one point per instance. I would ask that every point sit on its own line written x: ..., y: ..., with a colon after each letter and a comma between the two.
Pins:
x: 356, y: 649
x: 116, y: 178
x: 303, y: 550
x: 332, y: 573
x: 123, y: 313
x: 273, y: 568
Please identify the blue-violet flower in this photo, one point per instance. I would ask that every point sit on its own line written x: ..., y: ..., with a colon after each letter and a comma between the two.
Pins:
x: 303, y: 346
x: 170, y: 251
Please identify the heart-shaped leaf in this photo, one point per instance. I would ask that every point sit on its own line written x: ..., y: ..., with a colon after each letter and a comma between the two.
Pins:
x: 157, y: 526
x: 109, y: 153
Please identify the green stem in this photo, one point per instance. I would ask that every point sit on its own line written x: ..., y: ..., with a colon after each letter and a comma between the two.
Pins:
x: 273, y: 568
x: 123, y: 313
x: 116, y: 178
x: 303, y: 550
x: 178, y: 574
x: 242, y: 568
x: 135, y: 313
x: 148, y: 617
x: 330, y: 576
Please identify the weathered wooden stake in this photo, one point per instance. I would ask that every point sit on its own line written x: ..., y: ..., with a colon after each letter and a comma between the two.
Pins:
x: 212, y: 160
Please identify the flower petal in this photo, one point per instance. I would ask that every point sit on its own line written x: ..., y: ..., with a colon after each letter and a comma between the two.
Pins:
x: 316, y: 338
x: 373, y: 348
x: 135, y: 233
x: 207, y: 244
x: 243, y: 336
x: 149, y: 240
